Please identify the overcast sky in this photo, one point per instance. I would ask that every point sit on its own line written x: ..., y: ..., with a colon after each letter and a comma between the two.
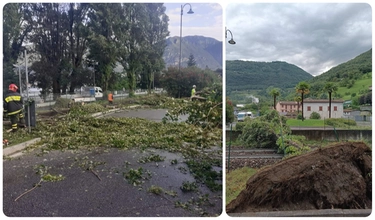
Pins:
x: 314, y: 37
x: 207, y: 19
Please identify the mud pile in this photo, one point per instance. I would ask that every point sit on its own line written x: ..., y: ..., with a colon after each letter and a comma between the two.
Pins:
x: 334, y: 177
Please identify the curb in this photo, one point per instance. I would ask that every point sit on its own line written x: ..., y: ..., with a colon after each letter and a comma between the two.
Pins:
x: 308, y: 213
x: 14, y: 150
x: 101, y: 114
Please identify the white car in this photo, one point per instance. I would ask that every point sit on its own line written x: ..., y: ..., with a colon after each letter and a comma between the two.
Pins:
x: 242, y: 115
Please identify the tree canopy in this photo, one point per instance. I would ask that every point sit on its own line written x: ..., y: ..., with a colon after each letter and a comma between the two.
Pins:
x: 111, y: 45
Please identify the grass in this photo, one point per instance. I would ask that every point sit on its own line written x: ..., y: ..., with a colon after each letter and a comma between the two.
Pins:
x: 361, y: 84
x: 22, y: 135
x: 305, y: 123
x: 338, y: 123
x: 236, y: 182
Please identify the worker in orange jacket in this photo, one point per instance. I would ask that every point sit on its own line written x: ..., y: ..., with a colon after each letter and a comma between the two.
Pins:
x: 110, y: 98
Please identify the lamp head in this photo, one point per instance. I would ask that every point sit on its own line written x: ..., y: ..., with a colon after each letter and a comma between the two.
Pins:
x: 231, y: 41
x: 190, y: 11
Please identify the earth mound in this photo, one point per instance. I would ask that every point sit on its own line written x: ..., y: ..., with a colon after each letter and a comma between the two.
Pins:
x: 334, y: 177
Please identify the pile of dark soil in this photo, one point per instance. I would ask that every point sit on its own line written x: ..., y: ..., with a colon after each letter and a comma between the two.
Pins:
x: 337, y: 176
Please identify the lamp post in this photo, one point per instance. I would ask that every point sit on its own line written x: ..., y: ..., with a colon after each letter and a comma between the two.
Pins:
x: 231, y: 41
x: 27, y: 92
x: 182, y: 12
x: 19, y: 76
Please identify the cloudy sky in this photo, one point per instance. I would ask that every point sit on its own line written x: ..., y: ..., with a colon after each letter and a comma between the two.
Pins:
x: 314, y: 37
x: 207, y: 19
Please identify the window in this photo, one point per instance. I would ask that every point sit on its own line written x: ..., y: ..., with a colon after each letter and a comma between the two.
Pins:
x: 335, y: 108
x: 308, y: 108
x: 320, y: 108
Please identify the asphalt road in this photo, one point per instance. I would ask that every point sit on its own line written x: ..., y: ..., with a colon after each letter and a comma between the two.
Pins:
x: 95, y: 183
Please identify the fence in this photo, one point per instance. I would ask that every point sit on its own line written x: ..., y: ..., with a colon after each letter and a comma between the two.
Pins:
x: 49, y: 100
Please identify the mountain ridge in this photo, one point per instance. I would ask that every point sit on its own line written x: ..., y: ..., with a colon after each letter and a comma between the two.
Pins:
x: 207, y: 51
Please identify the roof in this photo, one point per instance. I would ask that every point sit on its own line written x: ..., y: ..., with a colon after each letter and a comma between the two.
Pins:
x: 322, y: 101
x: 288, y: 102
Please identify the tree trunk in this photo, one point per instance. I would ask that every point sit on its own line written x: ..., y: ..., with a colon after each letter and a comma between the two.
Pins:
x: 302, y: 105
x: 274, y: 102
x: 329, y: 94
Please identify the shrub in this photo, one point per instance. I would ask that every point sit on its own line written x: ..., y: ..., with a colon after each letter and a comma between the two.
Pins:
x: 240, y: 126
x: 62, y: 103
x: 315, y: 115
x: 263, y: 131
x: 299, y: 116
x: 258, y: 133
x: 292, y: 145
x: 340, y: 122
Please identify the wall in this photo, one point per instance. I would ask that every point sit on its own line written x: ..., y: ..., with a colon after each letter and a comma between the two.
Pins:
x: 325, y: 112
x: 318, y: 135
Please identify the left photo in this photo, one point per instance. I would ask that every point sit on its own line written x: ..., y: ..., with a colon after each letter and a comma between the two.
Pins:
x: 112, y: 109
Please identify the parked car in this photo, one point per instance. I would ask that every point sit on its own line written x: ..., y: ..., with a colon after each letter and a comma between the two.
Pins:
x: 242, y: 115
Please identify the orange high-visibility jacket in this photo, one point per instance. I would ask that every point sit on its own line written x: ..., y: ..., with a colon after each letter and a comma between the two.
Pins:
x: 110, y: 97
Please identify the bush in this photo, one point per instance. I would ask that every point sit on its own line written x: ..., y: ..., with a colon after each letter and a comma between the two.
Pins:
x: 240, y: 126
x: 258, y: 134
x: 340, y: 122
x: 263, y: 132
x: 62, y: 103
x: 299, y: 116
x: 315, y: 115
x: 293, y: 145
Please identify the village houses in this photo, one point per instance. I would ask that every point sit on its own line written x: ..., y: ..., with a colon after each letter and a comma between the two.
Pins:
x: 320, y: 106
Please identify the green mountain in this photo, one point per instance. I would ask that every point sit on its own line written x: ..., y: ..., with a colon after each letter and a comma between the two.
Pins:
x: 352, y: 77
x: 207, y: 52
x: 351, y: 69
x: 255, y: 77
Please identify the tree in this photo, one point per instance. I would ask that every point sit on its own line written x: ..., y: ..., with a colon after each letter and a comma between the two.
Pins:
x: 104, y: 21
x: 191, y: 61
x: 298, y: 100
x: 330, y: 87
x: 180, y: 84
x: 50, y: 40
x: 156, y: 31
x: 86, y: 43
x: 229, y: 112
x: 78, y: 37
x: 302, y: 88
x: 274, y: 93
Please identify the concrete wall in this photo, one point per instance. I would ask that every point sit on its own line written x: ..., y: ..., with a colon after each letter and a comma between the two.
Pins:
x: 319, y: 135
x: 332, y: 135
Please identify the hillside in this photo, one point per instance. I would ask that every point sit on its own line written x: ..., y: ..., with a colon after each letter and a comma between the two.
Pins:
x: 351, y: 77
x: 258, y: 76
x: 207, y: 52
x: 351, y: 69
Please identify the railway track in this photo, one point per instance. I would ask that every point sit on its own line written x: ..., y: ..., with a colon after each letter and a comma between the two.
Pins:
x: 254, y: 158
x: 253, y: 153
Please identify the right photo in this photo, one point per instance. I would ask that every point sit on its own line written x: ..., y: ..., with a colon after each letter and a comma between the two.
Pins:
x: 298, y: 81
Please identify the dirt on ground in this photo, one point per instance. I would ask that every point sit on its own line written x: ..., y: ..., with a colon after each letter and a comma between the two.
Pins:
x: 333, y: 177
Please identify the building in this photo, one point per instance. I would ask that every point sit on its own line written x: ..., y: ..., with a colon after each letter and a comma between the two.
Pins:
x: 288, y: 106
x: 321, y: 106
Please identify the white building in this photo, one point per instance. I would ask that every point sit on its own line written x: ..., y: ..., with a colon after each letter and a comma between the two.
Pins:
x: 322, y: 107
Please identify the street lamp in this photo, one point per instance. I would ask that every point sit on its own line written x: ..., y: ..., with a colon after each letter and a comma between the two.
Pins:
x: 27, y: 91
x: 182, y: 12
x: 19, y: 76
x: 231, y: 41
